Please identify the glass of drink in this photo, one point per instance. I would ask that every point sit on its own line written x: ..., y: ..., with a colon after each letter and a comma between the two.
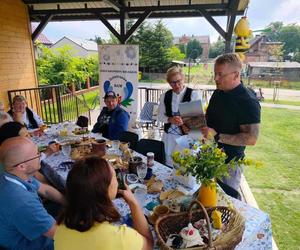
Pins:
x: 141, y: 171
x: 66, y: 149
x: 115, y: 145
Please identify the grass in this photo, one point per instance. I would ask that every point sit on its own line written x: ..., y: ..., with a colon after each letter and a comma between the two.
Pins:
x: 276, y: 185
x: 284, y: 102
x: 69, y: 107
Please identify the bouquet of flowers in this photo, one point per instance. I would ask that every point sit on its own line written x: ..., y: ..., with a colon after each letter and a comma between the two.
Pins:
x: 205, y: 161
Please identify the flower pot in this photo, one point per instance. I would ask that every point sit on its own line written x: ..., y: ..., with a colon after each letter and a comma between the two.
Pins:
x: 208, y: 194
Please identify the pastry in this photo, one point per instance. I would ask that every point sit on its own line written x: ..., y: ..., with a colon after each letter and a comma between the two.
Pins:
x: 154, y: 186
x: 191, y: 236
x: 171, y: 194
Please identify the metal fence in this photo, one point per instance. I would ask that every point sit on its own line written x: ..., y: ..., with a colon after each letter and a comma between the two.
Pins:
x: 54, y: 103
x: 153, y: 94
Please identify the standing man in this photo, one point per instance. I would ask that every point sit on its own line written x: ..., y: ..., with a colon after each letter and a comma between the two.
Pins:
x: 168, y: 109
x: 25, y: 224
x: 233, y: 114
x: 113, y: 119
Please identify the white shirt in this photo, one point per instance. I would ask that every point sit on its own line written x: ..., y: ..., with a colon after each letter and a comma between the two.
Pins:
x: 176, y: 99
x: 35, y: 116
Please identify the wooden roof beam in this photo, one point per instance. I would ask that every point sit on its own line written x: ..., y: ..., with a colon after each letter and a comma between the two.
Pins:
x: 40, y: 27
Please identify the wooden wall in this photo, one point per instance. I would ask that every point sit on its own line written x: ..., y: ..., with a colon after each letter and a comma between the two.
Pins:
x: 17, y: 65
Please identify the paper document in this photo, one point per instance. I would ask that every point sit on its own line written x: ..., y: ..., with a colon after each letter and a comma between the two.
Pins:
x: 192, y: 114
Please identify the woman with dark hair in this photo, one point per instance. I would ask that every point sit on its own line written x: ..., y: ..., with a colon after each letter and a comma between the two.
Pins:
x: 86, y: 222
x: 12, y: 129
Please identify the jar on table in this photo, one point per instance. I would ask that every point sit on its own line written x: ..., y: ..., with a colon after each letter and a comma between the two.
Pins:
x: 150, y: 159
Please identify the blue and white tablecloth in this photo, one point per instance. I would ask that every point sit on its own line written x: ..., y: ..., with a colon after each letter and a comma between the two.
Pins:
x: 257, y: 234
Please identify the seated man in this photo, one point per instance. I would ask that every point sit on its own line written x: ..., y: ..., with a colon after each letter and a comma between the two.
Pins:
x: 113, y: 119
x: 25, y: 224
x: 21, y: 113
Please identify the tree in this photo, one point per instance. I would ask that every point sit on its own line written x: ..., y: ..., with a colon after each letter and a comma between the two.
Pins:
x: 217, y: 48
x: 277, y: 52
x: 290, y: 36
x: 272, y: 31
x: 60, y: 67
x: 98, y: 40
x: 182, y: 48
x: 193, y: 49
x: 175, y: 54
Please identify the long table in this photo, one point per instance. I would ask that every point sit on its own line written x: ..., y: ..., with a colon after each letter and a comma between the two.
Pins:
x: 257, y: 234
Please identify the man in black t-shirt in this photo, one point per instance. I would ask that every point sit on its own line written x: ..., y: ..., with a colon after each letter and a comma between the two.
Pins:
x: 233, y: 113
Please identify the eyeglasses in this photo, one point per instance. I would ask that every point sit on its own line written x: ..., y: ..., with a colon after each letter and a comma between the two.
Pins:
x: 220, y: 75
x: 33, y: 158
x: 175, y: 82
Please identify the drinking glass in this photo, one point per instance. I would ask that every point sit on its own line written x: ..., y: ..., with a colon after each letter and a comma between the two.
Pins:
x: 141, y: 171
x: 115, y: 145
x: 140, y: 195
x: 66, y: 149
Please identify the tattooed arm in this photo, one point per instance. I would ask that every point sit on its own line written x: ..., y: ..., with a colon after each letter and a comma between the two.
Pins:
x: 50, y: 193
x: 247, y: 136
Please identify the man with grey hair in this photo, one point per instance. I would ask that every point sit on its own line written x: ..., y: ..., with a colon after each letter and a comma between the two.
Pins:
x: 233, y: 114
x: 25, y: 224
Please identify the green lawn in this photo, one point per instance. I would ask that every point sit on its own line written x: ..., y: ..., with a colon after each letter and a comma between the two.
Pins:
x: 276, y: 186
x: 69, y: 107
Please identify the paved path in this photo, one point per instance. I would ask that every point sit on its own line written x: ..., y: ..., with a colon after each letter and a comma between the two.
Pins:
x: 282, y: 106
x: 283, y: 94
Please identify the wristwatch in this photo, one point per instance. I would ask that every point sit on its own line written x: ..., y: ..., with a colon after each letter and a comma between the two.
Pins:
x: 217, y: 137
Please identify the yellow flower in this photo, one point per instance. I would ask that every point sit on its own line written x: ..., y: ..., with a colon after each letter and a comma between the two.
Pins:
x: 186, y: 151
x: 178, y: 172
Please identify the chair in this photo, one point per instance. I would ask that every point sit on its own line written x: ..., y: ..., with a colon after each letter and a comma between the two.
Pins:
x: 147, y: 114
x: 82, y: 121
x: 157, y: 147
x: 130, y: 137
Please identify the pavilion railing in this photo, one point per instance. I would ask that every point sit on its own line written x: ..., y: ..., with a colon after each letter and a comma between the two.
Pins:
x: 54, y: 103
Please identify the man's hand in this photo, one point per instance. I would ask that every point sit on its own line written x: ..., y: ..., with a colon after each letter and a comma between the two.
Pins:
x: 176, y: 120
x: 208, y: 133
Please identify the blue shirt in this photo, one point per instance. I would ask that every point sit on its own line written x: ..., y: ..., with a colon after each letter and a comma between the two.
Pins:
x: 23, y: 218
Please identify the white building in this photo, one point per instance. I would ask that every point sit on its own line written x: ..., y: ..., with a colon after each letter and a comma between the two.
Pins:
x: 80, y: 47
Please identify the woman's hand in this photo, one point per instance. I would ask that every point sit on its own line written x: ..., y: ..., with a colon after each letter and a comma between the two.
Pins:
x: 128, y: 196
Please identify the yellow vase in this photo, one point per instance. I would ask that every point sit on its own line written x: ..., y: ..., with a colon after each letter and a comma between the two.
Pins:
x: 208, y: 194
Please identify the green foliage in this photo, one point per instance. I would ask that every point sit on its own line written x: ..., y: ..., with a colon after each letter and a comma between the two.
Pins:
x: 182, y: 48
x: 193, y: 49
x: 217, y: 48
x: 296, y: 56
x: 175, y: 54
x: 154, y: 43
x: 60, y: 67
x: 289, y: 35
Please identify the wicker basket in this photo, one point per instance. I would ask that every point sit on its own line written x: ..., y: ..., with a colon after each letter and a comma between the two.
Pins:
x: 232, y: 230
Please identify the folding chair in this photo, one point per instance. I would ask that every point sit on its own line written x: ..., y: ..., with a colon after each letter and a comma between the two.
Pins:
x: 157, y: 147
x: 130, y: 137
x: 146, y: 118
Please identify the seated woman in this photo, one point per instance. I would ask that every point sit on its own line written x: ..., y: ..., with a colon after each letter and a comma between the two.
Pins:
x: 87, y: 219
x: 12, y: 129
x: 21, y: 113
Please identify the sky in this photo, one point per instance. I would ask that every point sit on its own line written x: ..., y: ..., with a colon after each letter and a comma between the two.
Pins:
x: 260, y: 13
